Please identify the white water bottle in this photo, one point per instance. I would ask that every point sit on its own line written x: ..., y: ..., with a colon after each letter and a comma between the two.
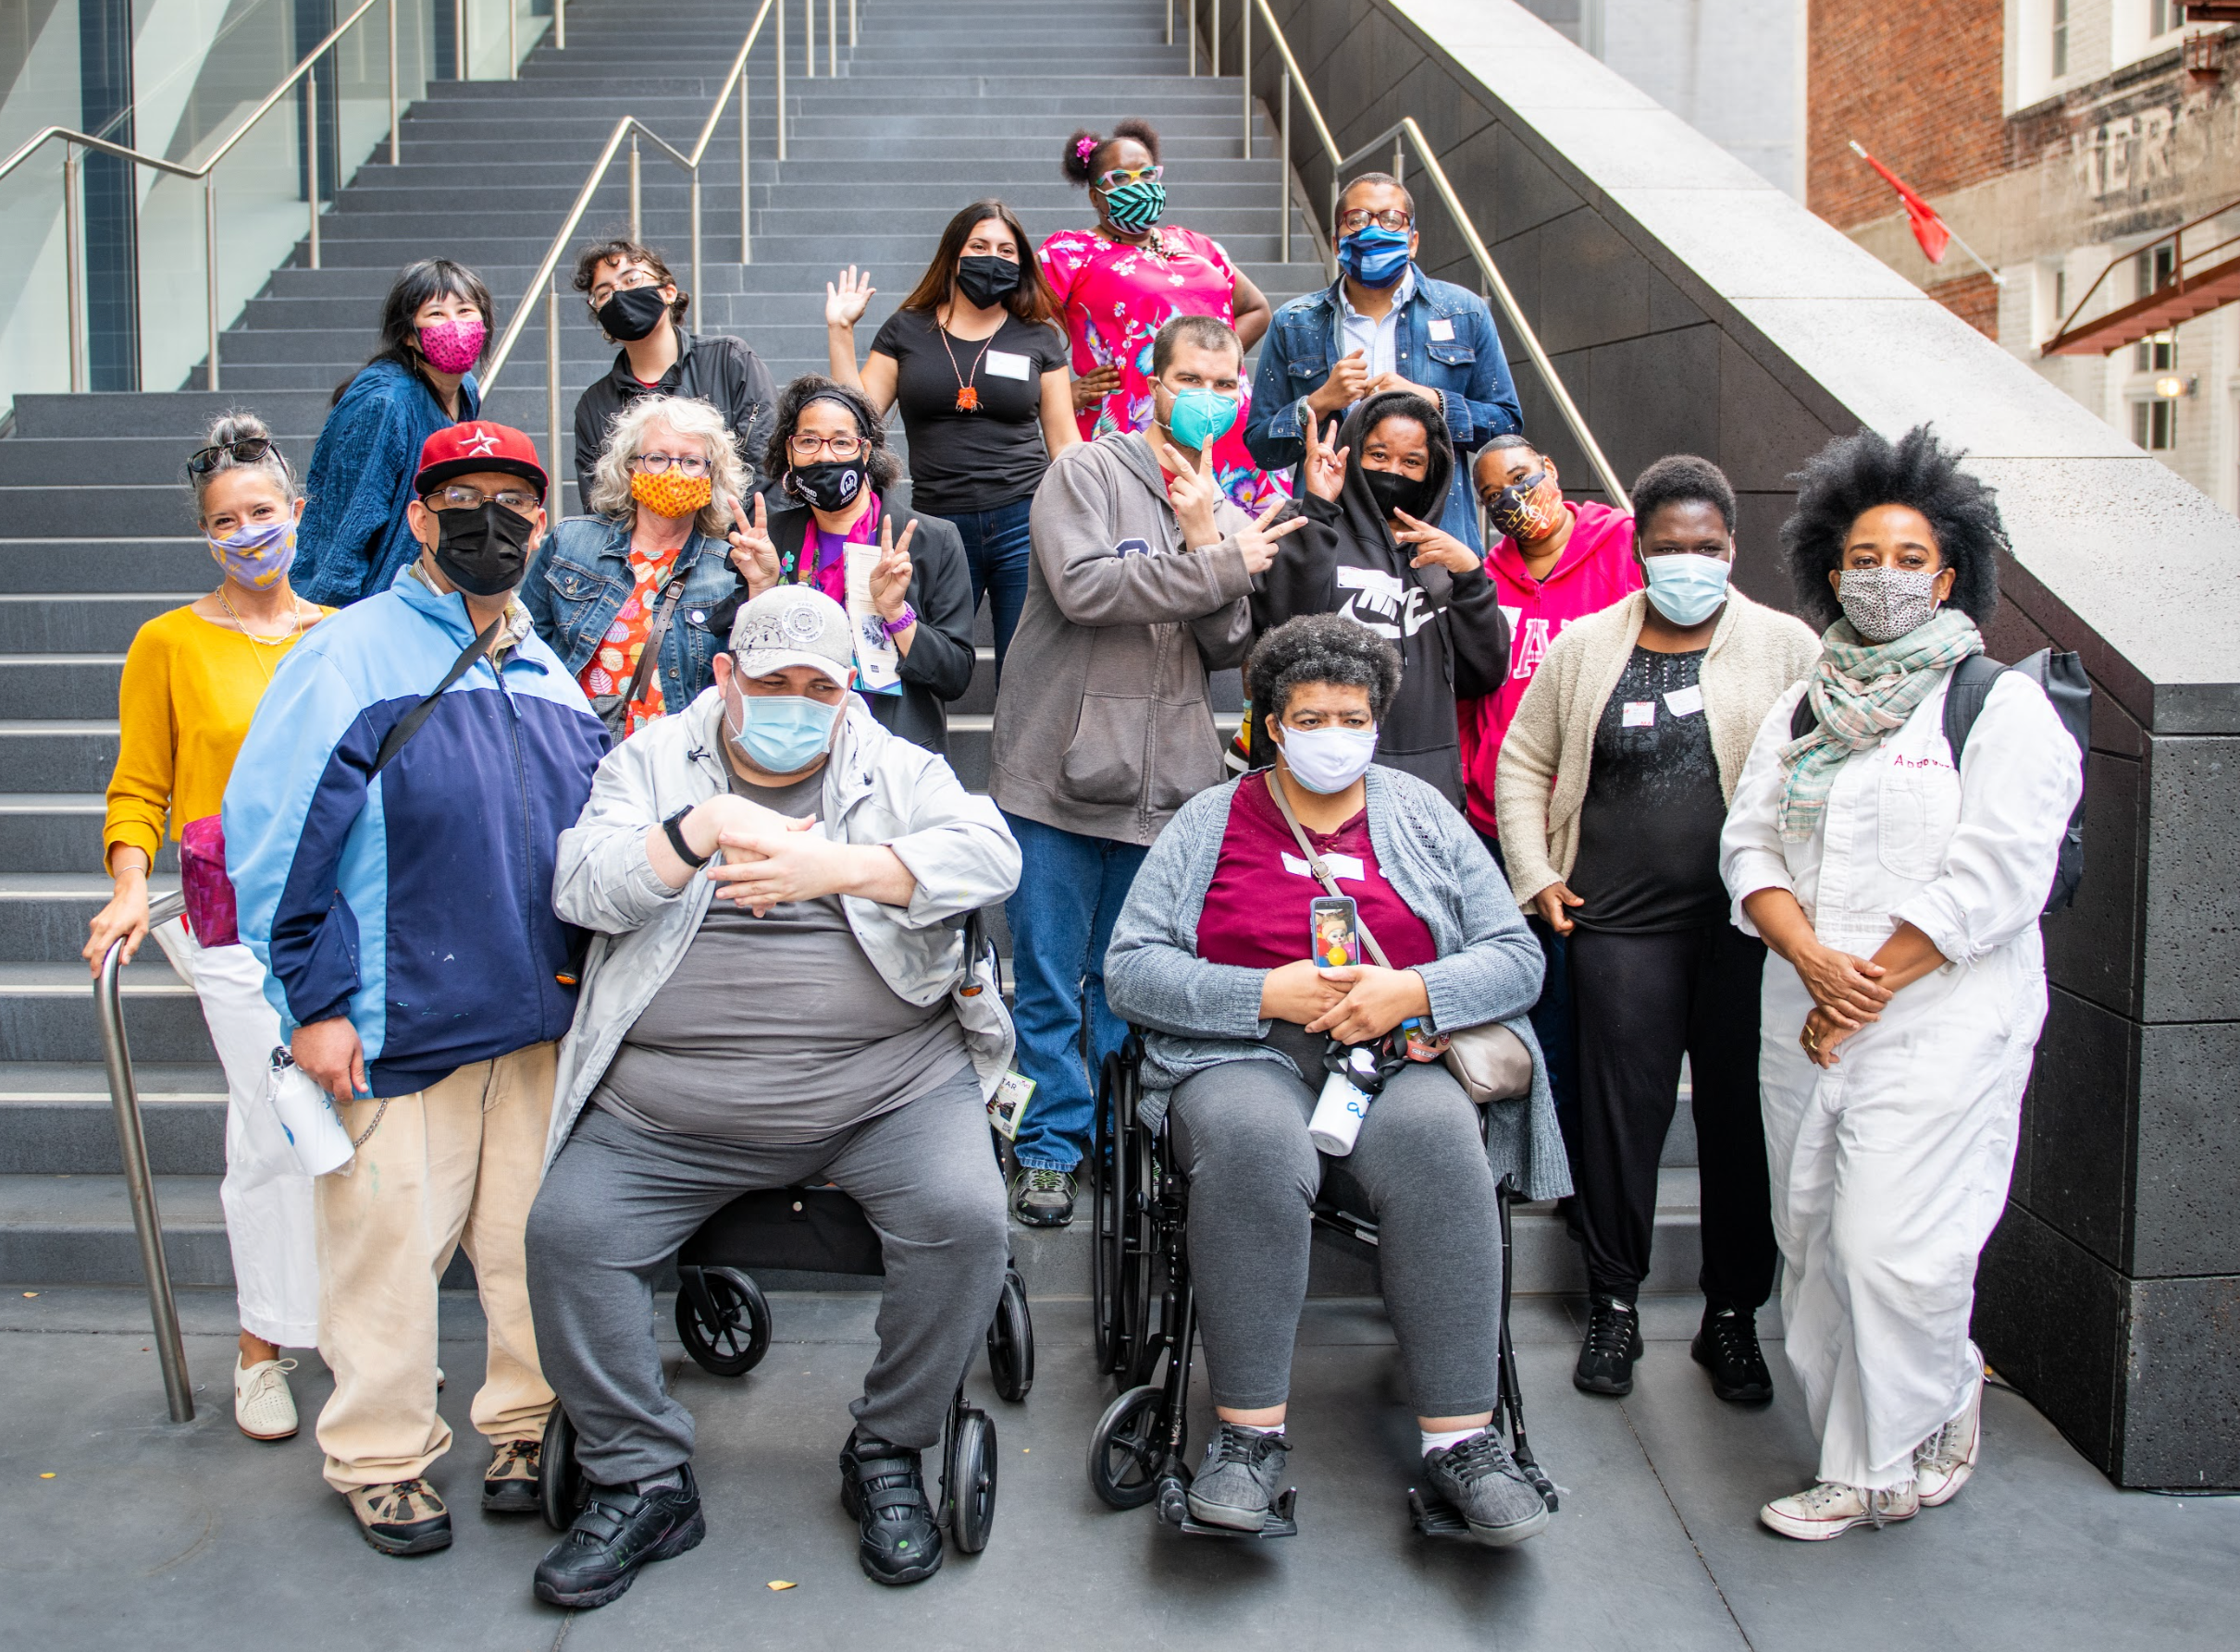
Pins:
x: 306, y: 1113
x: 1338, y: 1115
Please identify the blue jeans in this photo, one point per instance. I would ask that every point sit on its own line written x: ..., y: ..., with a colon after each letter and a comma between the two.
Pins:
x: 1070, y: 889
x: 996, y: 550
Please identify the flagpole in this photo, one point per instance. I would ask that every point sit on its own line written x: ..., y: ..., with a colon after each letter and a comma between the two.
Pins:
x: 1957, y: 240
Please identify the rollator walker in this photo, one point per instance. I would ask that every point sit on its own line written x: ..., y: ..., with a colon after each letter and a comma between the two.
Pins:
x: 1143, y: 1307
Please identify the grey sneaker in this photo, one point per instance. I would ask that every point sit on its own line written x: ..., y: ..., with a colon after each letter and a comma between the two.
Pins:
x: 1041, y: 1198
x: 1487, y: 1488
x: 1236, y: 1486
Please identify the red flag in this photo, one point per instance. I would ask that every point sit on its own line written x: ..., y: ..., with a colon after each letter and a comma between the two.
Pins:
x: 1928, y: 229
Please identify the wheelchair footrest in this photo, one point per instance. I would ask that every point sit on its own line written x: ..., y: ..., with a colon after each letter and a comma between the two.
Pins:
x: 1174, y: 1510
x: 1435, y: 1517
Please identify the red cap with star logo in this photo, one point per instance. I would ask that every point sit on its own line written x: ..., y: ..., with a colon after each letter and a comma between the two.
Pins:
x: 463, y: 449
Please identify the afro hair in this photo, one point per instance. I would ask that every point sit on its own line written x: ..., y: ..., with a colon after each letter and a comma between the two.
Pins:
x: 1853, y: 476
x: 1682, y: 479
x: 1321, y: 649
x: 1084, y: 149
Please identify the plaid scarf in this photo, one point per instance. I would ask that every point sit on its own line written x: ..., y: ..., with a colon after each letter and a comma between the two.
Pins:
x: 1860, y: 692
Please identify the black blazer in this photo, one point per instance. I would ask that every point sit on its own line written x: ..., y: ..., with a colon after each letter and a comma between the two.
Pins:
x: 938, y: 667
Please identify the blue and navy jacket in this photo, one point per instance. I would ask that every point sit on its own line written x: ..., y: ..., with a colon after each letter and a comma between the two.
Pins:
x: 420, y: 906
x: 354, y: 539
x: 1468, y: 368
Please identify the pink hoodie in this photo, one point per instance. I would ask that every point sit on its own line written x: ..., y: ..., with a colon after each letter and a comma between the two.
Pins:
x: 1598, y: 568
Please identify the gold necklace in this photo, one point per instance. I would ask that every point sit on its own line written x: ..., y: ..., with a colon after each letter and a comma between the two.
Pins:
x: 295, y: 627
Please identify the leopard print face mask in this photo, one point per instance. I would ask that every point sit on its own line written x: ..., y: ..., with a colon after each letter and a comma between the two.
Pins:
x: 1883, y: 604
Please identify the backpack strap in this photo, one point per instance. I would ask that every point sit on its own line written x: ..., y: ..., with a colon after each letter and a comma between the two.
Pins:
x: 1964, y: 697
x: 409, y: 724
x: 1802, y: 722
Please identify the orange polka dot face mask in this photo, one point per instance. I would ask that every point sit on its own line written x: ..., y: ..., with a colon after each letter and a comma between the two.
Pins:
x: 670, y: 494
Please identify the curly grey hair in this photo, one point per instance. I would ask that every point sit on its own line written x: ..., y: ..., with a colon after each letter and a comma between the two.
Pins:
x: 689, y: 417
x: 1321, y: 649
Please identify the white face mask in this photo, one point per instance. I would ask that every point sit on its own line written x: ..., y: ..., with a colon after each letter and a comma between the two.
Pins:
x: 1328, y: 760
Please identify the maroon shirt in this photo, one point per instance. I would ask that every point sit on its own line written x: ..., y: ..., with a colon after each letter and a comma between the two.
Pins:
x: 1256, y: 908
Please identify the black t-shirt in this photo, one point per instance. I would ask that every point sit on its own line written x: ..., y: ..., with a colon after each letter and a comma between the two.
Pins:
x: 1649, y: 827
x: 975, y: 461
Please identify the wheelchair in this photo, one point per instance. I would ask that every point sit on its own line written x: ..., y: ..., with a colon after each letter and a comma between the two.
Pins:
x: 724, y: 1321
x: 1143, y: 1307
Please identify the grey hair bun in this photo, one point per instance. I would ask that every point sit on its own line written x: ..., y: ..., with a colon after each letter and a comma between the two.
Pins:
x: 237, y: 425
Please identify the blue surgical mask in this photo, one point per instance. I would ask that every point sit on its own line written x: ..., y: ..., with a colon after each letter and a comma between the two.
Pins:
x: 782, y: 734
x: 1686, y: 587
x: 1374, y: 256
x: 1200, y: 418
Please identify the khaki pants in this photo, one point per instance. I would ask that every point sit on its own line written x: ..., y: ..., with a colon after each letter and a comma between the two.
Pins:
x: 454, y: 1166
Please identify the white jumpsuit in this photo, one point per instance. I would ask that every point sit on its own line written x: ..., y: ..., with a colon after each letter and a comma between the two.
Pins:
x: 1889, y: 1169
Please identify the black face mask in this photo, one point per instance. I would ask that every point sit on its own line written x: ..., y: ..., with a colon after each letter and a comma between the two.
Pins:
x: 483, y: 551
x: 632, y: 313
x: 1394, y: 493
x: 829, y: 485
x: 986, y: 279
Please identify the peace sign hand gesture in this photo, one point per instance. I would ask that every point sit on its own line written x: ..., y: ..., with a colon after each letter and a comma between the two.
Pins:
x: 1323, y: 470
x: 890, y: 577
x: 752, y: 554
x: 1193, y: 493
x: 1257, y: 543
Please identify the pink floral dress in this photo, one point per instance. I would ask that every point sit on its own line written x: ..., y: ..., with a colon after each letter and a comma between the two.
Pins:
x: 1116, y: 298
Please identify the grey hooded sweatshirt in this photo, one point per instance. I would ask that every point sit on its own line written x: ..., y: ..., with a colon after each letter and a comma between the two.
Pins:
x: 1104, y: 726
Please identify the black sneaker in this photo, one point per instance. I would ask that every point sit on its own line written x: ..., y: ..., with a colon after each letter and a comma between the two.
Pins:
x: 883, y: 1488
x: 1613, y: 1343
x: 1041, y: 1198
x: 622, y: 1528
x: 1727, y: 1348
x: 1236, y: 1486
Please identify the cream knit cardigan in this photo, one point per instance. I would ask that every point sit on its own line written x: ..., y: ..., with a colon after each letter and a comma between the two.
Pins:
x: 1755, y: 653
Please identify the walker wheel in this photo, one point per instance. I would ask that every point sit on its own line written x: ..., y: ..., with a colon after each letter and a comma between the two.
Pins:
x: 972, y: 1480
x: 1128, y: 1447
x: 560, y: 1491
x: 1011, y: 1340
x: 724, y: 1324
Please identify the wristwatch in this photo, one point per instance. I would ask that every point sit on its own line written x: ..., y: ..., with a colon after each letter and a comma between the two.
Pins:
x: 673, y: 827
x: 901, y: 622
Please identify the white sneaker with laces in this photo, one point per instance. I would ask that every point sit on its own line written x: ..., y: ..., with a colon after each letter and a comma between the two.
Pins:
x: 1828, y: 1510
x: 1943, y: 1463
x: 262, y: 1407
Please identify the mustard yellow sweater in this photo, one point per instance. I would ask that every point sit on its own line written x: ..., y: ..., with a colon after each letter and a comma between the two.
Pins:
x: 189, y: 691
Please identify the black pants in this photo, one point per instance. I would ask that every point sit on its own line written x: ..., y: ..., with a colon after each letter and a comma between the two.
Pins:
x: 1642, y: 1001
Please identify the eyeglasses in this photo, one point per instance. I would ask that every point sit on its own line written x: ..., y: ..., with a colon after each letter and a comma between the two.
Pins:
x: 1117, y: 175
x: 459, y: 495
x: 248, y: 450
x: 804, y: 446
x: 1360, y: 218
x: 628, y: 278
x: 684, y: 464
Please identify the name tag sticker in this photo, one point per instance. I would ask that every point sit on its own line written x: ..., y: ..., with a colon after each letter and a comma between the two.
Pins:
x: 1004, y: 364
x: 1639, y: 714
x: 1443, y: 331
x: 1346, y: 868
x: 1686, y: 702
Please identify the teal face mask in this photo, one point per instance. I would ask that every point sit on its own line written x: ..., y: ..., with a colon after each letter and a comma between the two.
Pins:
x: 1687, y: 589
x: 1136, y: 206
x: 782, y: 734
x: 1200, y: 418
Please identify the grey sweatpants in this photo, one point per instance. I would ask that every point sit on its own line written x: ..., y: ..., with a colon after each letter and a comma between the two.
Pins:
x: 1418, y: 1167
x: 618, y: 1202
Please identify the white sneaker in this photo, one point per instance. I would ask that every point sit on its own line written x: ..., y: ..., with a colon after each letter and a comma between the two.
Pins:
x: 1828, y: 1510
x: 1943, y: 1463
x: 262, y: 1407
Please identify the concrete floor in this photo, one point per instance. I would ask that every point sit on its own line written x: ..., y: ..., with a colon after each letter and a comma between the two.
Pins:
x: 189, y: 1538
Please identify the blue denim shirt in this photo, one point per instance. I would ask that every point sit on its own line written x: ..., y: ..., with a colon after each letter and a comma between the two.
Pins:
x: 580, y: 578
x: 1468, y: 369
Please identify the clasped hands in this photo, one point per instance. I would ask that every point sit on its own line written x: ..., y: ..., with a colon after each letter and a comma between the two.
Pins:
x: 764, y: 858
x: 1353, y: 1003
x: 1847, y: 994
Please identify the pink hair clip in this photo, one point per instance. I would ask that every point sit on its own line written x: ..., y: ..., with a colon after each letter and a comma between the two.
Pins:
x: 1084, y: 149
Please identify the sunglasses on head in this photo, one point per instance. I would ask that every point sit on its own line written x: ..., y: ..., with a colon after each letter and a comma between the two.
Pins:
x: 246, y: 451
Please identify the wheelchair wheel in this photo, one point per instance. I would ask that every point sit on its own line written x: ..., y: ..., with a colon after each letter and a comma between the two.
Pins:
x: 1129, y: 1449
x: 560, y: 1491
x: 972, y: 1480
x: 1011, y: 1340
x: 1107, y: 1201
x: 725, y: 1324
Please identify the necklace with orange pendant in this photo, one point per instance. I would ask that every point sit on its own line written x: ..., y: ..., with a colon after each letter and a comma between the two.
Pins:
x: 968, y: 393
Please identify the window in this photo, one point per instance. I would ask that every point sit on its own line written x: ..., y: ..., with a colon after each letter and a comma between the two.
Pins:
x: 2060, y: 295
x: 2060, y: 37
x: 2154, y: 269
x: 2162, y: 16
x: 2154, y: 425
x: 2157, y: 352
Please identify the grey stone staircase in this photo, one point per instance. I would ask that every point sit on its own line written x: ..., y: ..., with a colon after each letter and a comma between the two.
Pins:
x: 99, y: 536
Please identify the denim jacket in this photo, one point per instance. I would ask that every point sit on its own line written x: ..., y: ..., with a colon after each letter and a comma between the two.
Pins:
x: 1468, y: 369
x: 580, y: 578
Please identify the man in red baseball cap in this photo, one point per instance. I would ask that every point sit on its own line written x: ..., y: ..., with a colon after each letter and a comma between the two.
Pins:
x: 392, y: 849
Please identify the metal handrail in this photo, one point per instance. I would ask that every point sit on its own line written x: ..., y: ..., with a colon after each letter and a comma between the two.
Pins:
x: 2177, y: 281
x: 1406, y: 126
x: 547, y: 281
x: 133, y: 1147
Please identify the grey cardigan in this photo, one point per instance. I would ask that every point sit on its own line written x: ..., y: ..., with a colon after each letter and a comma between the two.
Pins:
x: 1197, y: 1015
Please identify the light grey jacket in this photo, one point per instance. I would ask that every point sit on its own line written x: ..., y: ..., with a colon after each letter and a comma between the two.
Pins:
x: 1104, y: 725
x: 1197, y: 1015
x: 878, y: 789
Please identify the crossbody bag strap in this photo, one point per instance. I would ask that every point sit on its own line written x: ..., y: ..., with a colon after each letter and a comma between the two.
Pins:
x: 409, y: 724
x: 648, y: 657
x: 1321, y: 867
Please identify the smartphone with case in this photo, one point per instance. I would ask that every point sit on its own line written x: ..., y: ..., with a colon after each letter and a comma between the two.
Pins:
x: 1336, y: 930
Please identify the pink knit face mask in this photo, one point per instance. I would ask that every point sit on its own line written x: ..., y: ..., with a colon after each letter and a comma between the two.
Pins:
x: 454, y: 346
